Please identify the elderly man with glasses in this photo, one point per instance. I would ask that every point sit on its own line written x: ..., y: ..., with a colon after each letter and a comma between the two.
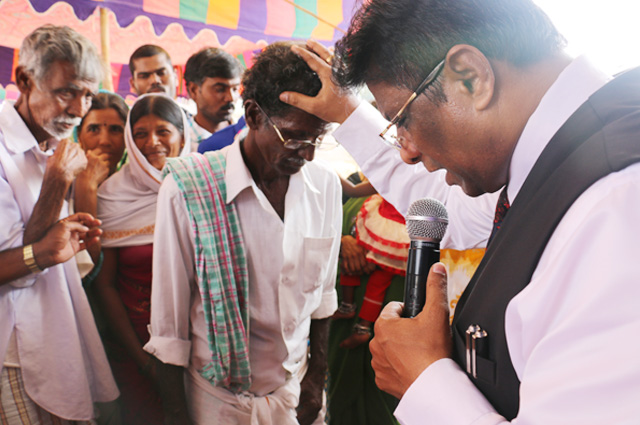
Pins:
x: 245, y: 261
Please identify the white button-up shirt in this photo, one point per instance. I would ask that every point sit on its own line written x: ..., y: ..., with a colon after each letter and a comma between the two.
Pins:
x: 570, y: 331
x: 292, y: 272
x: 64, y: 366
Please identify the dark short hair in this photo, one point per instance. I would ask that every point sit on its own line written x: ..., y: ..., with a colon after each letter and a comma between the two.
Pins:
x: 399, y: 41
x: 146, y: 51
x: 106, y: 100
x: 159, y: 105
x: 277, y: 69
x: 211, y: 62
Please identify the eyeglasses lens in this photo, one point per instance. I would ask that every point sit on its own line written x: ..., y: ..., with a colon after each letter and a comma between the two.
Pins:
x: 390, y: 138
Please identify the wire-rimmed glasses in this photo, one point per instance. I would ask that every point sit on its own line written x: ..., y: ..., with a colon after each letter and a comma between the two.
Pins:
x: 294, y: 144
x: 390, y: 134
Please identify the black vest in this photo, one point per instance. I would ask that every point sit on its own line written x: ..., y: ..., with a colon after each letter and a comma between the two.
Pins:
x: 601, y: 137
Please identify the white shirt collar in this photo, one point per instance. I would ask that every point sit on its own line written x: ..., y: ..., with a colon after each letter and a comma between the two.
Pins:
x: 17, y: 136
x: 238, y: 177
x: 575, y: 84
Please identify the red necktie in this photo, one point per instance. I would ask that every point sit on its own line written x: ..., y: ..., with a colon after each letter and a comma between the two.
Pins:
x: 501, y: 211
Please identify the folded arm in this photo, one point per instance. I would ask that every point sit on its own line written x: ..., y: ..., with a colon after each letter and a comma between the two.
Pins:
x: 62, y: 167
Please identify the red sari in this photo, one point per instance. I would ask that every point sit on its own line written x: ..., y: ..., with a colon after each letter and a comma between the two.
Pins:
x: 141, y: 403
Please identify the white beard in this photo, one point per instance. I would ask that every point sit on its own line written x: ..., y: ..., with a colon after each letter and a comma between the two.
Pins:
x: 57, y: 130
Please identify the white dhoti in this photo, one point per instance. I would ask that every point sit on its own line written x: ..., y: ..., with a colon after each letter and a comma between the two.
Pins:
x: 218, y: 406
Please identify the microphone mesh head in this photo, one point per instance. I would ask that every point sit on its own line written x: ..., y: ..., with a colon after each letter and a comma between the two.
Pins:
x: 427, y: 219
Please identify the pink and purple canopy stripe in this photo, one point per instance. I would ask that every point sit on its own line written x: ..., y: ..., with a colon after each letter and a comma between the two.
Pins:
x: 254, y: 20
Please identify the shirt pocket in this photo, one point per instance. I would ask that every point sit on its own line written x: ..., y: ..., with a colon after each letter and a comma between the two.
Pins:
x: 315, y: 264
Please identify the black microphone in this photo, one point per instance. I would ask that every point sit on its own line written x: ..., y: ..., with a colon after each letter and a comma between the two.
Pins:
x: 427, y: 222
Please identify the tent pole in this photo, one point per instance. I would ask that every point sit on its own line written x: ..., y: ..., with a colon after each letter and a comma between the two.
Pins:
x: 107, y: 83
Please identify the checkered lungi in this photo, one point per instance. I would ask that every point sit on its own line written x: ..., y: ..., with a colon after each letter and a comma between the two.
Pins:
x: 16, y: 408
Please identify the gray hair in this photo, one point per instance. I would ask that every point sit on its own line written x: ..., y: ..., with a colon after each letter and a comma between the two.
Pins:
x: 49, y: 44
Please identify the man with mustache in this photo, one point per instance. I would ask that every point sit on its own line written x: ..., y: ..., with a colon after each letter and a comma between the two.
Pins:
x: 213, y: 82
x: 152, y: 71
x: 243, y: 285
x: 54, y: 366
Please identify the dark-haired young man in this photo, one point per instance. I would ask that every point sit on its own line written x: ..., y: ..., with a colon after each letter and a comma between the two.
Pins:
x: 152, y: 71
x: 243, y: 286
x: 484, y: 90
x: 213, y: 82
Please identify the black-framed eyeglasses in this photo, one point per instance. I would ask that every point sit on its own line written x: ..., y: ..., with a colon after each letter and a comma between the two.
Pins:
x: 294, y: 144
x: 390, y: 134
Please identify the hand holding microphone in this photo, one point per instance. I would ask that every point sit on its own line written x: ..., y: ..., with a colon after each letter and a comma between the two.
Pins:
x: 427, y: 222
x: 402, y: 349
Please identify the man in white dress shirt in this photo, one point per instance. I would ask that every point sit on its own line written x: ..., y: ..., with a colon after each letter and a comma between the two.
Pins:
x: 289, y: 212
x: 54, y: 366
x: 501, y: 105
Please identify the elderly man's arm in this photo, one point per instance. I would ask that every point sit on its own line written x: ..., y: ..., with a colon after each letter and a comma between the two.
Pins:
x: 312, y: 386
x: 170, y: 383
x: 67, y: 161
x: 61, y: 242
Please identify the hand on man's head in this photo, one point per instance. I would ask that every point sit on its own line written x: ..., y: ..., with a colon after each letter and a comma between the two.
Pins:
x: 332, y: 103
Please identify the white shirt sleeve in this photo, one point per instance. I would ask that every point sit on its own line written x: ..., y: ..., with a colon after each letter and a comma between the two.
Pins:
x: 570, y: 332
x: 443, y: 394
x: 470, y: 219
x: 173, y: 278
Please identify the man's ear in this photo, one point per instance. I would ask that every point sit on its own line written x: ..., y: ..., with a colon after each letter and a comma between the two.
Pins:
x: 252, y: 114
x: 175, y: 76
x: 132, y: 85
x: 472, y: 74
x: 23, y: 80
x: 191, y: 89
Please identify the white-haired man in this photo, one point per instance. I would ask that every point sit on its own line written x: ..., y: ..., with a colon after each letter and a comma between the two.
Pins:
x: 54, y: 366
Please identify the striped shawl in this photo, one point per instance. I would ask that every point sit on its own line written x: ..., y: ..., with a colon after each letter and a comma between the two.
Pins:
x: 221, y: 267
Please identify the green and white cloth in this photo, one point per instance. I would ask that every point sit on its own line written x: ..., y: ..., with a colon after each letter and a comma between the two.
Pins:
x: 221, y: 267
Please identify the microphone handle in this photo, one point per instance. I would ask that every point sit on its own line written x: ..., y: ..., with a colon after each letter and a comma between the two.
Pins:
x: 422, y: 255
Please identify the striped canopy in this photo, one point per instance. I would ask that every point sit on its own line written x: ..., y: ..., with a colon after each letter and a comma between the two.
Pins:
x: 253, y: 20
x: 182, y: 27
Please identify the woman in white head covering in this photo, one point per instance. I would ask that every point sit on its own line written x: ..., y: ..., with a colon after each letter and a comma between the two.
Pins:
x: 155, y: 131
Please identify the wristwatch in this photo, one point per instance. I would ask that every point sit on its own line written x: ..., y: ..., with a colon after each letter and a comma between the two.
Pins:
x: 29, y: 259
